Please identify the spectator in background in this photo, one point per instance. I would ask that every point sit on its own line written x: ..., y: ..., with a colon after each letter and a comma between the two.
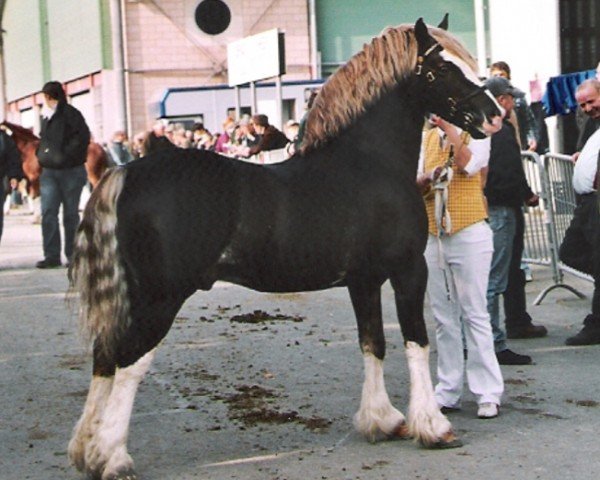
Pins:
x: 523, y: 119
x: 580, y: 248
x: 169, y: 132
x: 137, y: 147
x: 156, y: 139
x: 62, y: 152
x: 302, y: 126
x: 206, y: 142
x: 244, y: 138
x: 223, y: 142
x: 519, y: 324
x: 291, y: 132
x: 200, y: 134
x: 181, y: 137
x: 588, y: 98
x: 119, y: 148
x: 506, y: 189
x: 270, y: 137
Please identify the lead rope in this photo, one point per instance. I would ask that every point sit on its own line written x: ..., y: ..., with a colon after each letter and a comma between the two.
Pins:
x: 442, y: 215
x: 443, y: 221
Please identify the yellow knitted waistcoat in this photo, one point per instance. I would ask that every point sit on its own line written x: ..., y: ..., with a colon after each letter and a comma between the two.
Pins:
x: 465, y: 195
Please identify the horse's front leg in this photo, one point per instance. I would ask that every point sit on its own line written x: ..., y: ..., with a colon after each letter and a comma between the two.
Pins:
x: 376, y: 414
x: 426, y: 423
x: 106, y: 456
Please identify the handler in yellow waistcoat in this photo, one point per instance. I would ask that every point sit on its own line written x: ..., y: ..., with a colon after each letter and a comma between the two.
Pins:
x: 451, y: 175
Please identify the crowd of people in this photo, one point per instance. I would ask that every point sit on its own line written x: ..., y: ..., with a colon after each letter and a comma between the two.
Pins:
x: 239, y: 139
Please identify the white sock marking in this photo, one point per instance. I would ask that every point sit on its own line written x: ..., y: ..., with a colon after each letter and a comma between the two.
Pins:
x: 376, y: 413
x: 109, y: 446
x: 88, y: 424
x: 426, y: 423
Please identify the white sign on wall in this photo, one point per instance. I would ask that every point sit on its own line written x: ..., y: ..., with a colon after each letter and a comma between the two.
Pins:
x: 256, y: 57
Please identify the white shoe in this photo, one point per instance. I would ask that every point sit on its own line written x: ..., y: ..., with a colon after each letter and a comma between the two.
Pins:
x: 487, y: 410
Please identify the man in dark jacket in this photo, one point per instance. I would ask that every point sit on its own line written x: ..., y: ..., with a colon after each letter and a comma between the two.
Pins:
x: 62, y: 152
x: 10, y: 168
x: 270, y: 137
x: 506, y: 190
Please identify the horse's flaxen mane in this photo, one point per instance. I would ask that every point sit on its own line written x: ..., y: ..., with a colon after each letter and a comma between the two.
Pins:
x: 379, y: 66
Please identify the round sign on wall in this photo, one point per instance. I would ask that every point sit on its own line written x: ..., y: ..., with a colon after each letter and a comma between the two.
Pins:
x: 213, y: 16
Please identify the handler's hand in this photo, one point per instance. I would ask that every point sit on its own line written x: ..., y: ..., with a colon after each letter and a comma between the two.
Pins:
x: 533, y: 201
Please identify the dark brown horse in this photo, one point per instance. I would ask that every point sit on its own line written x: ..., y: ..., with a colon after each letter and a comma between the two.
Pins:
x: 27, y: 142
x: 344, y: 211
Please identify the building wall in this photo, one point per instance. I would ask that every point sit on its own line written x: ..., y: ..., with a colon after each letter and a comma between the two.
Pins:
x: 75, y: 38
x: 526, y: 35
x: 165, y: 48
x: 50, y: 40
x: 529, y: 42
x: 22, y: 48
x: 343, y: 27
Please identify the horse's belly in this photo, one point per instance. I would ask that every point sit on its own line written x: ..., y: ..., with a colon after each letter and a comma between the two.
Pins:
x: 273, y: 275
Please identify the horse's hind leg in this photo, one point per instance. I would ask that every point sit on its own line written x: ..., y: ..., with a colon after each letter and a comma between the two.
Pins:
x: 86, y: 427
x: 106, y: 456
x: 376, y: 414
x: 426, y: 423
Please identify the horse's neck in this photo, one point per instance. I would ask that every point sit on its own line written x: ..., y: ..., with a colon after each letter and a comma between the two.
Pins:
x: 389, y: 133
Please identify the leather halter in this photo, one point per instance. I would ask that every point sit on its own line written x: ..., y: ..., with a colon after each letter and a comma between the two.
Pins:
x: 421, y: 59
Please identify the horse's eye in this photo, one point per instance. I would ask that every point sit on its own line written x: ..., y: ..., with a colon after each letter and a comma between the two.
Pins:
x: 443, y: 68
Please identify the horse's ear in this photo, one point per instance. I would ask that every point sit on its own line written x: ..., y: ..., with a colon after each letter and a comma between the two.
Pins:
x: 444, y: 23
x: 424, y: 40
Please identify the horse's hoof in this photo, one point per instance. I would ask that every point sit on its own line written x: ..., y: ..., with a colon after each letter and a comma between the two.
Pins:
x: 401, y: 432
x: 448, y: 440
x: 128, y: 474
x: 93, y: 475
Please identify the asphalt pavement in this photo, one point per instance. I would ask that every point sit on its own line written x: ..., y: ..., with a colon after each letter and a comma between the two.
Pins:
x: 260, y: 386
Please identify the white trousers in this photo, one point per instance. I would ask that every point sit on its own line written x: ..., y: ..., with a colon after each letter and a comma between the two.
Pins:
x: 459, y: 267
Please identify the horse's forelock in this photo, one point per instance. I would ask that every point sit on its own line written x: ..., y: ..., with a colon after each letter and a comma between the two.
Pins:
x: 370, y: 73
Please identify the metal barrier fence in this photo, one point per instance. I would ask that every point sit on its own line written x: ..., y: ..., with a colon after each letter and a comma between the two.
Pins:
x: 550, y: 177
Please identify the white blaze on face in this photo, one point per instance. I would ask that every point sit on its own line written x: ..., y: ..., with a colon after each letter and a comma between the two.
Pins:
x: 460, y: 63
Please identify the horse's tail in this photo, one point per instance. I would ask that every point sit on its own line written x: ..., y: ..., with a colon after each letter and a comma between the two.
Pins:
x: 96, y: 271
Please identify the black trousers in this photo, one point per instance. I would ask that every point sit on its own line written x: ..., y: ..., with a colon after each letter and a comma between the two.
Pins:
x: 580, y: 248
x: 2, y: 199
x: 515, y: 301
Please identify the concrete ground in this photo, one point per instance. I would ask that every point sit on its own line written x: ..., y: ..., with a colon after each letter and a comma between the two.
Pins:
x: 274, y: 400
